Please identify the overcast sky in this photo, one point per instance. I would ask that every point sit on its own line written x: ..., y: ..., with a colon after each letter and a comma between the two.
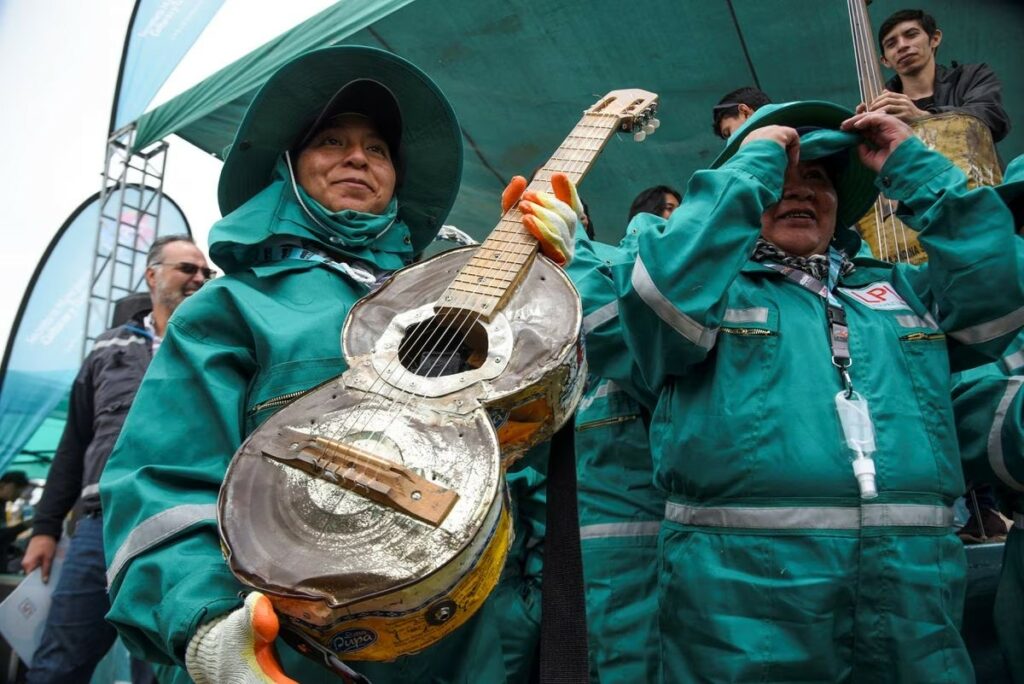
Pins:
x: 58, y: 67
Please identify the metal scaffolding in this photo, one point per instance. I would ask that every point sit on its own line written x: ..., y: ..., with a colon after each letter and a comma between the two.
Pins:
x: 130, y: 200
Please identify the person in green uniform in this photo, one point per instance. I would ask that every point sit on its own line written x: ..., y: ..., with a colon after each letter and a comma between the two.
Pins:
x: 989, y: 406
x: 343, y: 170
x: 619, y: 508
x: 803, y: 430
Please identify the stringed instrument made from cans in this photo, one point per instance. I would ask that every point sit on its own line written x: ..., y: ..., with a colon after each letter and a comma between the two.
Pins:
x: 372, y: 510
x: 963, y: 139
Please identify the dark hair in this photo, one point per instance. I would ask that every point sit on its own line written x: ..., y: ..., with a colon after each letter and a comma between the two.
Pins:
x: 730, y: 103
x: 15, y: 477
x: 652, y: 200
x: 156, y: 250
x: 926, y: 21
x: 589, y: 228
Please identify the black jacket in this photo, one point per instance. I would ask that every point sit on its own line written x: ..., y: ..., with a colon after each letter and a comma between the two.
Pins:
x: 100, y: 398
x: 969, y: 88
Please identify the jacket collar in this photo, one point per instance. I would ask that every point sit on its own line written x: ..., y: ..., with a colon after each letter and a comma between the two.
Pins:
x: 942, y: 74
x: 867, y: 271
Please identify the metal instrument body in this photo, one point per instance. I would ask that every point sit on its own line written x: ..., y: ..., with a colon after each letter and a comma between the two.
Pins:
x: 395, y: 584
x: 967, y: 142
x: 962, y: 138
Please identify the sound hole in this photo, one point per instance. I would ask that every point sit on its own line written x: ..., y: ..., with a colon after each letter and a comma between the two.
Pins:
x: 445, y: 344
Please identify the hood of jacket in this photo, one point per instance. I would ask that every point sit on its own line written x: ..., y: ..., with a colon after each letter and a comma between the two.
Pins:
x: 283, y: 213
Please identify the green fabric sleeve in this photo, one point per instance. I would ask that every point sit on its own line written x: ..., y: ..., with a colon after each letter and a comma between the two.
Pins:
x: 673, y: 296
x: 988, y: 403
x: 166, y: 570
x: 973, y: 282
x: 607, y: 353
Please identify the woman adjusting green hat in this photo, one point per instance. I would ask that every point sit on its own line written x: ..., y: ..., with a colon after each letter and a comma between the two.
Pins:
x: 802, y: 432
x: 343, y: 169
x: 818, y: 124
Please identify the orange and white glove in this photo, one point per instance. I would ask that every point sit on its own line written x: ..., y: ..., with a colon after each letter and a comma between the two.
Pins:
x: 238, y: 647
x: 550, y: 219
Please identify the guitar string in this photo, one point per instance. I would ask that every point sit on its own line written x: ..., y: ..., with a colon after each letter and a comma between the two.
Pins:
x: 888, y: 226
x: 514, y: 248
x: 519, y: 249
x: 584, y: 158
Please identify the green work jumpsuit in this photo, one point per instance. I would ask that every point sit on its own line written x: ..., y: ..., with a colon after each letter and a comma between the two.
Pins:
x: 989, y: 406
x: 620, y: 510
x: 233, y: 353
x: 771, y: 566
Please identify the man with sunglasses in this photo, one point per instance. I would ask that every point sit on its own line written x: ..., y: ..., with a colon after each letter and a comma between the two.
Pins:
x: 76, y: 636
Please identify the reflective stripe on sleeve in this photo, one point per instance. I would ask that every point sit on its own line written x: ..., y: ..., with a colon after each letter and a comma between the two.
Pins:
x: 811, y: 518
x: 1014, y: 361
x: 647, y: 528
x: 666, y: 311
x: 90, y: 490
x: 995, y: 435
x: 605, y: 388
x: 157, y: 529
x: 985, y: 332
x: 600, y: 316
x: 755, y: 314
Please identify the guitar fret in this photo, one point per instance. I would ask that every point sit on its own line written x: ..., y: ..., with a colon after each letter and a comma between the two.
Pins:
x: 478, y: 289
x: 482, y: 271
x: 497, y: 266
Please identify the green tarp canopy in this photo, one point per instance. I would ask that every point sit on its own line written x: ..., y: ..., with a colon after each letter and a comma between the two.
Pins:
x: 520, y: 73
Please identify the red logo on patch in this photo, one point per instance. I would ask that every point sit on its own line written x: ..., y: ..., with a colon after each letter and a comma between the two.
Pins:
x: 879, y: 294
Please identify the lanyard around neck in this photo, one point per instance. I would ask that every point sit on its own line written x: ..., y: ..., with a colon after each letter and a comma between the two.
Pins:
x: 838, y: 331
x: 356, y: 271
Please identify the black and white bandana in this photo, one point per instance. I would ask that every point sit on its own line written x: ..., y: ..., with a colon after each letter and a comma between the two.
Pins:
x: 815, y: 265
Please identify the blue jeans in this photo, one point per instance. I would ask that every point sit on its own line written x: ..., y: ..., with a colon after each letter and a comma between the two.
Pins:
x: 77, y: 636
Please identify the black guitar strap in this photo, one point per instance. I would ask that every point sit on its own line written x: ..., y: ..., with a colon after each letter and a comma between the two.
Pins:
x: 563, y: 624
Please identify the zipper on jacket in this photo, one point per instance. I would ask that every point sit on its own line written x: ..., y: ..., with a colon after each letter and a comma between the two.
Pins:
x: 913, y: 337
x: 746, y: 331
x: 277, y: 401
x: 287, y: 398
x: 605, y: 421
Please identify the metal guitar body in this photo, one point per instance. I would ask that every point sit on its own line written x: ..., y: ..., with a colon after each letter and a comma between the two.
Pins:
x: 355, y: 574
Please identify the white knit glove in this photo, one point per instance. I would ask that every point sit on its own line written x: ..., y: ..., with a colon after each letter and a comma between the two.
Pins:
x: 238, y: 647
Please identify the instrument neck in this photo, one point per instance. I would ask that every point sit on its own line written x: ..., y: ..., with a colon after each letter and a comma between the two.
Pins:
x: 869, y: 73
x: 487, y: 281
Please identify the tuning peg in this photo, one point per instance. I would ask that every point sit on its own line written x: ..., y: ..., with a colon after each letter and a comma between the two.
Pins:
x: 639, y: 136
x: 655, y: 123
x: 649, y: 128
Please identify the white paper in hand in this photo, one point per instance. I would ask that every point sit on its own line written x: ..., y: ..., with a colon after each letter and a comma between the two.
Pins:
x: 23, y: 613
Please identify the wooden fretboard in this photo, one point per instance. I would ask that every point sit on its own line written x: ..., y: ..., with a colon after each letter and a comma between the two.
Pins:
x: 490, y: 277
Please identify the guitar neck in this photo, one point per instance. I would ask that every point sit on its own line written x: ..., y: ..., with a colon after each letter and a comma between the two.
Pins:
x: 869, y: 73
x: 490, y: 277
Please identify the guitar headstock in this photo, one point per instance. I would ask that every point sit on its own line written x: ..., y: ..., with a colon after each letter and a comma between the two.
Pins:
x: 634, y: 108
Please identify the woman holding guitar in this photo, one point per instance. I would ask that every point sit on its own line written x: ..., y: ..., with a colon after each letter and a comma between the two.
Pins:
x: 342, y: 171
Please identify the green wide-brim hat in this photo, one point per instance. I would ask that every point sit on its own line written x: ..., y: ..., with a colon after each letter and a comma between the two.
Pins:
x: 855, y: 183
x: 1012, y: 190
x: 296, y: 95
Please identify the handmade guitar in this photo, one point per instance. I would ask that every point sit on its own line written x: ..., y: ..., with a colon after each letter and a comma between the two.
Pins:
x: 963, y: 138
x: 372, y: 510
